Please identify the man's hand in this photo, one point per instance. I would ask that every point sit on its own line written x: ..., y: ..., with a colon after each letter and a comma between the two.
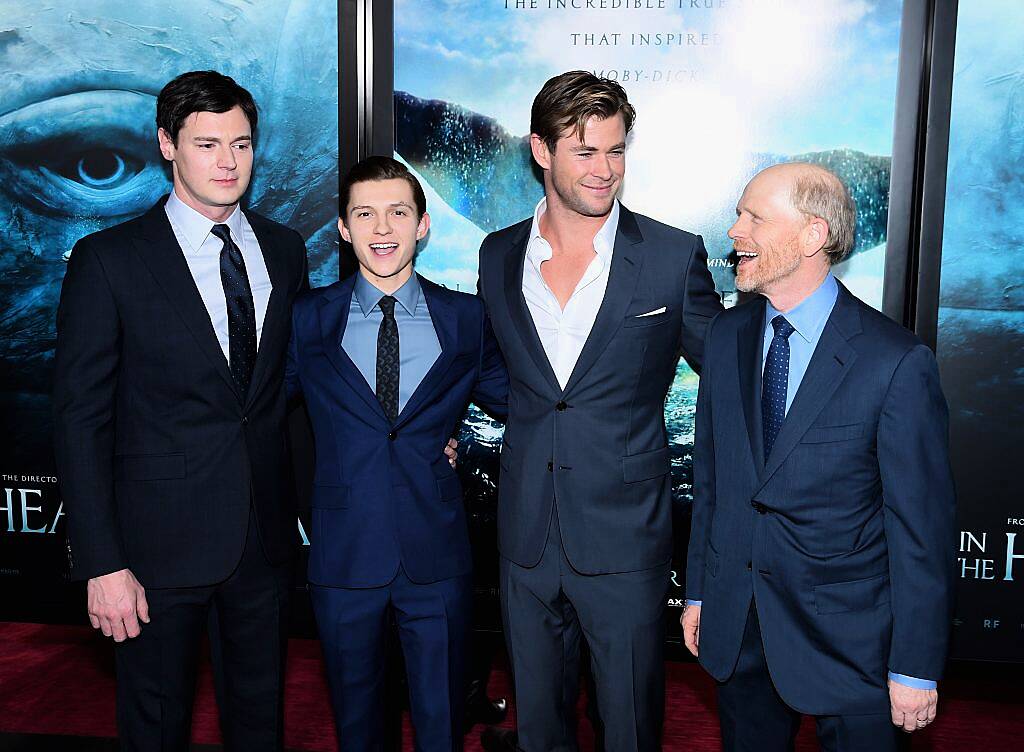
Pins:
x: 450, y: 453
x: 116, y: 603
x: 690, y: 621
x: 912, y: 709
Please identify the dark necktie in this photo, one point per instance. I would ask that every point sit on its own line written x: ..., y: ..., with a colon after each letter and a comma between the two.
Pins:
x: 241, y: 311
x: 388, y: 361
x: 775, y: 383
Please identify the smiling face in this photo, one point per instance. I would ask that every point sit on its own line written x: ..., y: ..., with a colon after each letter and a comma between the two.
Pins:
x: 584, y: 176
x: 772, y: 239
x: 212, y: 160
x: 382, y: 224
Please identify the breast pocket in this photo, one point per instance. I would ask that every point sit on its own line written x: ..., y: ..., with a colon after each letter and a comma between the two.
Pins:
x: 832, y: 434
x: 648, y: 316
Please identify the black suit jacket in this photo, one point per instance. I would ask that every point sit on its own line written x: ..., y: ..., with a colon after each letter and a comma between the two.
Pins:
x: 844, y: 534
x: 599, y: 447
x: 158, y: 456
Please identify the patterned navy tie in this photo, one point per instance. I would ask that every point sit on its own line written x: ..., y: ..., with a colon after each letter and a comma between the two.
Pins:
x: 388, y: 361
x: 775, y: 383
x: 241, y: 311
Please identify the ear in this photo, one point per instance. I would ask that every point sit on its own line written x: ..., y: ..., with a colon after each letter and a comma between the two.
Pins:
x: 424, y: 226
x: 815, y: 236
x: 344, y: 230
x: 167, y: 147
x: 540, y: 151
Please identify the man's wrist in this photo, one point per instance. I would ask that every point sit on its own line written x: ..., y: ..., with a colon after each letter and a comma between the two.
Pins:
x: 912, y: 681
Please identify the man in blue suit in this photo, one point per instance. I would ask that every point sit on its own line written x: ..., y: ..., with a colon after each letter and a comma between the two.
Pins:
x: 820, y: 566
x: 387, y: 362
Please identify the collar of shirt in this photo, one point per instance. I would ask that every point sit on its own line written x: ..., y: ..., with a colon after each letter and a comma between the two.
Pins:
x: 195, y: 228
x: 368, y: 296
x: 538, y: 250
x: 808, y: 318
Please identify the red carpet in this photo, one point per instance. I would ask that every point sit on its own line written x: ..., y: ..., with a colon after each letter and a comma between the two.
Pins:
x: 60, y: 680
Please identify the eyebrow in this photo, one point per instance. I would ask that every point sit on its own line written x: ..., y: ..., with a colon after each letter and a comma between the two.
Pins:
x: 590, y: 149
x: 215, y: 140
x: 393, y: 204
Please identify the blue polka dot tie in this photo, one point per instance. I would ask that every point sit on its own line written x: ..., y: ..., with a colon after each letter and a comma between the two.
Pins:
x: 775, y: 383
x: 241, y: 311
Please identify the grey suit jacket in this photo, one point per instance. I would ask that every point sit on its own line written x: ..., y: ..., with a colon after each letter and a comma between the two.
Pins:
x: 598, y: 448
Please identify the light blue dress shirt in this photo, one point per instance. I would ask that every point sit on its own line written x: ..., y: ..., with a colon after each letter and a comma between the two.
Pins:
x: 809, y: 319
x: 418, y: 345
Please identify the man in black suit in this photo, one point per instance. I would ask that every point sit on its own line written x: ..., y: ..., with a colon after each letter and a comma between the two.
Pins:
x: 592, y: 306
x: 820, y: 569
x: 170, y: 423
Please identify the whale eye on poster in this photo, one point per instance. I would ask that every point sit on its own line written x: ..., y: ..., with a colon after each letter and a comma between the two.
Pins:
x: 721, y: 90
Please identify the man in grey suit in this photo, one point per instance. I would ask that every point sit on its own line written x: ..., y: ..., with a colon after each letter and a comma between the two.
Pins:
x: 592, y: 306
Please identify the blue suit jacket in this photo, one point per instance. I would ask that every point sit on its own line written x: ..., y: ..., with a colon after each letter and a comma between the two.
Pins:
x: 845, y: 536
x: 384, y: 494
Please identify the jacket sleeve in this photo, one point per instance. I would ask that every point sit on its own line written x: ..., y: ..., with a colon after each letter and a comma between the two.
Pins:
x: 491, y: 390
x: 701, y: 303
x: 86, y: 367
x: 703, y: 482
x: 919, y: 515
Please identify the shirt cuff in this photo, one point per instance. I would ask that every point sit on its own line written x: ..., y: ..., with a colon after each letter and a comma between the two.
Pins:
x: 910, y: 681
x: 690, y: 602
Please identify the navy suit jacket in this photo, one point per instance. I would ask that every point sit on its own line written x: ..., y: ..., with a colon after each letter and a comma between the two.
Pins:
x: 384, y: 494
x: 845, y: 536
x: 599, y: 446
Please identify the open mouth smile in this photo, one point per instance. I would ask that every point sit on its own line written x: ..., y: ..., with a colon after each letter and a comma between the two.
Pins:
x: 383, y: 249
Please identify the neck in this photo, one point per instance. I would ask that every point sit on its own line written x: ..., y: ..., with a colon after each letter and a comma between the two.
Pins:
x: 562, y: 227
x: 387, y: 285
x: 216, y: 214
x: 789, y: 296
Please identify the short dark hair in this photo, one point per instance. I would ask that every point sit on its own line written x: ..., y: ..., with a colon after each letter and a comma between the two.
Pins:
x: 201, y: 91
x: 375, y: 169
x: 570, y: 99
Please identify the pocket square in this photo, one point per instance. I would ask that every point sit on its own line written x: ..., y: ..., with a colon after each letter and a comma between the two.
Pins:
x: 655, y: 312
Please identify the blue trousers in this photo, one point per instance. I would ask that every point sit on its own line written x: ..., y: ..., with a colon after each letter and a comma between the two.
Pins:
x: 433, y: 627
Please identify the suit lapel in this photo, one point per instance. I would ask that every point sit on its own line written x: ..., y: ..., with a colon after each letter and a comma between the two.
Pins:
x: 522, y: 321
x: 750, y: 346
x: 627, y: 261
x: 276, y: 316
x: 333, y: 312
x: 165, y: 259
x: 832, y: 359
x: 445, y: 320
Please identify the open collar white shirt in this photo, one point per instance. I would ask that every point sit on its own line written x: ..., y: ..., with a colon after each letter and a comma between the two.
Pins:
x: 564, y: 332
x: 202, y: 254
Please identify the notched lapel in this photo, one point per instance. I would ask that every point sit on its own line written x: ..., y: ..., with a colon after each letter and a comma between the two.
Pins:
x: 627, y: 261
x: 750, y: 346
x: 333, y: 312
x: 159, y: 250
x: 832, y: 359
x: 518, y: 311
x: 276, y: 316
x: 446, y: 323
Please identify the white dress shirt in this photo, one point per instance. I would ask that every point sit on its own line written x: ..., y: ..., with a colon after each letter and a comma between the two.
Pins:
x: 202, y: 253
x: 564, y: 332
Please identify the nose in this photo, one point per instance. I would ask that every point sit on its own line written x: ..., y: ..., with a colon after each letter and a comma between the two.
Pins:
x: 226, y: 158
x: 602, y: 167
x: 382, y: 226
x: 736, y: 230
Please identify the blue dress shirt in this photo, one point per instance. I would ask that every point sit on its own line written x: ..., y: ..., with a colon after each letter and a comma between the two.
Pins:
x: 809, y: 319
x: 418, y: 345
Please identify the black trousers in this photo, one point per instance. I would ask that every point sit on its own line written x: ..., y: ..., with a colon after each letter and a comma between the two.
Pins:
x: 545, y: 608
x: 156, y: 671
x: 754, y: 718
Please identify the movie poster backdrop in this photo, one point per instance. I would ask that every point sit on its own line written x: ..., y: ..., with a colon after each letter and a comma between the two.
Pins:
x: 981, y: 325
x: 722, y: 90
x: 78, y: 152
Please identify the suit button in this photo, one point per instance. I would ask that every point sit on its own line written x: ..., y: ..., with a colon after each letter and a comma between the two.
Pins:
x: 245, y: 420
x: 759, y: 507
x: 551, y: 467
x: 561, y: 406
x: 393, y: 435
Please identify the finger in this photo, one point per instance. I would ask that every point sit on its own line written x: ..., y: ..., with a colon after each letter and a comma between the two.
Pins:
x: 451, y: 461
x: 909, y: 722
x: 105, y: 627
x: 897, y: 716
x: 94, y: 620
x: 117, y: 627
x: 453, y: 444
x: 131, y: 625
x: 142, y: 607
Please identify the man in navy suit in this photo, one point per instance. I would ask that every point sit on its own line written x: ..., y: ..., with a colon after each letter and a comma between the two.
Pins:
x: 387, y: 362
x: 820, y: 567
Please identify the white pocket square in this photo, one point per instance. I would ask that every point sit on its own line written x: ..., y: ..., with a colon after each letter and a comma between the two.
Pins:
x: 655, y: 312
